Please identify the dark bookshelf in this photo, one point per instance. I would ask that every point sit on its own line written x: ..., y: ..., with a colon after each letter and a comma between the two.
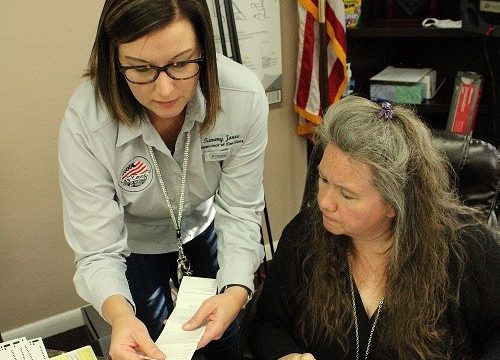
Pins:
x: 371, y: 49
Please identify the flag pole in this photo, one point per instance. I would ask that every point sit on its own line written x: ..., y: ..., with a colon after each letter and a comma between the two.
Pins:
x: 233, y: 33
x: 218, y: 14
x: 323, y: 58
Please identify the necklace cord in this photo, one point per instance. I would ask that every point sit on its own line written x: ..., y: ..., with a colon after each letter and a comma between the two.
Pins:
x: 183, y: 265
x: 379, y: 308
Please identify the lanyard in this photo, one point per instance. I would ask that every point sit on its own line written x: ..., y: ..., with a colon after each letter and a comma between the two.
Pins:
x: 183, y: 265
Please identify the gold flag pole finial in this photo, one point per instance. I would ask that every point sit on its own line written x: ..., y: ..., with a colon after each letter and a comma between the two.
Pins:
x: 321, y: 11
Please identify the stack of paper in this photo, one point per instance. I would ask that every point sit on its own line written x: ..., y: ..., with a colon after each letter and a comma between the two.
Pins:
x: 22, y: 349
x: 83, y: 353
x: 34, y: 349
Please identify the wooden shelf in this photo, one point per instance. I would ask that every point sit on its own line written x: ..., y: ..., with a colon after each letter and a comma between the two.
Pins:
x: 420, y: 32
x: 441, y: 105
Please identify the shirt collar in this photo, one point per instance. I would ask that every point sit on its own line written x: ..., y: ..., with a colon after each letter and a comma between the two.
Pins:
x: 127, y: 133
x: 196, y: 110
x: 142, y: 126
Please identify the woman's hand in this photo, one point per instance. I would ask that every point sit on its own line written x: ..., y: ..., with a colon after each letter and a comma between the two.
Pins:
x: 129, y: 336
x: 296, y: 356
x: 218, y: 312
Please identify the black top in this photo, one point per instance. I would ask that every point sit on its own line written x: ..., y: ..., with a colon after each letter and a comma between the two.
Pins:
x: 274, y: 329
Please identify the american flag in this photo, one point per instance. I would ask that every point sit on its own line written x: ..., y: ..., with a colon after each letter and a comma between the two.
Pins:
x: 307, y: 89
x: 137, y: 167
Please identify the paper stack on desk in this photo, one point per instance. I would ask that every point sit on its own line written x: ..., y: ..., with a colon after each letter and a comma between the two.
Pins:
x: 22, y: 349
x: 83, y: 353
x: 34, y: 349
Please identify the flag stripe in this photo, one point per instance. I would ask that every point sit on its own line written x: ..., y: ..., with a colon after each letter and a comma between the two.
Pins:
x: 306, y: 66
x: 307, y: 90
x: 135, y: 168
x: 335, y: 80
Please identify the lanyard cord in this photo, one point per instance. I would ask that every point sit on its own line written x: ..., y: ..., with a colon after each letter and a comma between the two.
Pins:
x: 183, y: 266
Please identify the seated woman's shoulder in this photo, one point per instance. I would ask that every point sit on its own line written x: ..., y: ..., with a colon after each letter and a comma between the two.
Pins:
x: 481, y: 246
x: 297, y: 229
x: 478, y: 236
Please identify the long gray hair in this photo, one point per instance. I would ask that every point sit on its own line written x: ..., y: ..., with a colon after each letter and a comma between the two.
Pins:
x: 407, y: 171
x: 412, y: 177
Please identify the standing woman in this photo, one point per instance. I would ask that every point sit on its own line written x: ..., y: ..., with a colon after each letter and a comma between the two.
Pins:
x: 161, y: 156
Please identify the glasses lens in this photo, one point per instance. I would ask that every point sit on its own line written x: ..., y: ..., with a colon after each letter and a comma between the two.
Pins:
x: 141, y: 75
x: 183, y: 70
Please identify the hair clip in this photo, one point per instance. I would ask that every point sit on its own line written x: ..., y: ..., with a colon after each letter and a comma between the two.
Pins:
x: 386, y: 111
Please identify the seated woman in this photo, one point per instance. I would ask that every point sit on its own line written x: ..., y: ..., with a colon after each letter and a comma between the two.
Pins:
x: 386, y: 264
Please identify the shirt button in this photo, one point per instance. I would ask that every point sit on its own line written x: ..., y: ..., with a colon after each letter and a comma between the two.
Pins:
x: 148, y: 137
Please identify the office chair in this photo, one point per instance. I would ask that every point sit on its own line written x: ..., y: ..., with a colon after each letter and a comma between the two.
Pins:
x: 475, y: 170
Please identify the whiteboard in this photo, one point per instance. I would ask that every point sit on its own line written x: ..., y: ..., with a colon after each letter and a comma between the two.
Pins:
x: 259, y: 38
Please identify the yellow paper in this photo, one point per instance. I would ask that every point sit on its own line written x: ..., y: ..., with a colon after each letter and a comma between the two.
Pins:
x: 83, y: 353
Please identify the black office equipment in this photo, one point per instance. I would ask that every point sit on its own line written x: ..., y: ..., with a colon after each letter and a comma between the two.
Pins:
x: 481, y: 16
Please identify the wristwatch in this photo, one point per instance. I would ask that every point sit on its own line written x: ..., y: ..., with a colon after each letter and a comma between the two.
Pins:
x: 249, y: 296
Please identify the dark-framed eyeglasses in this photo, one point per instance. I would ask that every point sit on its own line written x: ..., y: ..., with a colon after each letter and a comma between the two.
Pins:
x: 145, y: 74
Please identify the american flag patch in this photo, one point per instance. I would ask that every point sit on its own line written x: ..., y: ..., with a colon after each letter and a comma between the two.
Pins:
x: 137, y: 167
x: 136, y: 175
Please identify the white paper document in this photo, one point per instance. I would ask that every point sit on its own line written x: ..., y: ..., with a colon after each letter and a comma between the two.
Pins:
x: 23, y: 349
x: 178, y: 344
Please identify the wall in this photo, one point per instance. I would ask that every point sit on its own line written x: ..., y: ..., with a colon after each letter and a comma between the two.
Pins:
x: 45, y: 47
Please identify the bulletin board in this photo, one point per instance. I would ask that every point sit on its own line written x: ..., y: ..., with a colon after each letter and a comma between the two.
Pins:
x: 259, y: 39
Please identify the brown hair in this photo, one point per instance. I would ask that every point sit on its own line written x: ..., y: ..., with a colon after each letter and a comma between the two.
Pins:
x: 123, y: 21
x: 412, y: 178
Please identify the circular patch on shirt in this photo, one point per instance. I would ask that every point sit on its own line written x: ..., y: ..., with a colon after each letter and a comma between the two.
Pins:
x: 136, y: 175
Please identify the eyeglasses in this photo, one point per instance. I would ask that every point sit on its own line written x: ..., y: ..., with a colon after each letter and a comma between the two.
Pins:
x: 145, y: 74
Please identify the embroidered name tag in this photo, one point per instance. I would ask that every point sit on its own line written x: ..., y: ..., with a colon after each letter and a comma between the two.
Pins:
x: 216, y: 155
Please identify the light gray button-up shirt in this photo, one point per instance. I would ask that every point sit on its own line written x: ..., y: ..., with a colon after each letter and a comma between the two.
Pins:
x: 112, y: 200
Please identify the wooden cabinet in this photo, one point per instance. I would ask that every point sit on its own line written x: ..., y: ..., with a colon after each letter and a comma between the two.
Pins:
x: 369, y: 50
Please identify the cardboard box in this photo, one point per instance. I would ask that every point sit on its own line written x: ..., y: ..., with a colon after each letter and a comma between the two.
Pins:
x: 403, y: 85
x: 465, y: 102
